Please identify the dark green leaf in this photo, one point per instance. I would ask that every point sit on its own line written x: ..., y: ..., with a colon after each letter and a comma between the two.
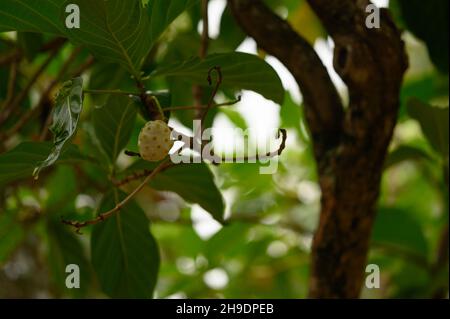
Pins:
x: 235, y: 117
x: 66, y: 249
x: 434, y: 122
x: 398, y: 229
x: 32, y: 16
x: 104, y: 28
x: 163, y: 13
x: 114, y: 124
x: 108, y: 76
x: 20, y: 161
x: 429, y: 22
x: 405, y: 153
x: 68, y: 106
x: 193, y: 182
x: 124, y: 253
x: 112, y: 35
x: 239, y: 70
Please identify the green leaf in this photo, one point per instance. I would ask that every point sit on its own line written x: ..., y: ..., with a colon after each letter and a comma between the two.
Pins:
x: 108, y: 76
x: 105, y: 29
x: 125, y: 255
x: 228, y: 240
x: 193, y: 182
x: 32, y: 16
x: 20, y: 161
x: 65, y: 249
x: 68, y: 106
x: 434, y: 122
x: 430, y: 24
x: 291, y: 115
x: 406, y: 153
x: 236, y: 118
x: 163, y: 13
x: 114, y: 124
x: 112, y: 35
x: 239, y: 70
x: 398, y: 229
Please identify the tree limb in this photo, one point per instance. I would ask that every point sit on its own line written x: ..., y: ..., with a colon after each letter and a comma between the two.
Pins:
x: 323, y: 107
x: 350, y: 147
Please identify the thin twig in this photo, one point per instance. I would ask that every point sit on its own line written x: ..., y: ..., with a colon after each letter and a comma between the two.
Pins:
x: 197, y: 89
x: 267, y: 156
x: 18, y: 54
x: 11, y: 83
x: 8, y: 109
x: 183, y: 108
x: 205, y: 32
x: 116, y: 92
x: 214, y: 92
x: 83, y: 67
x: 104, y: 216
x: 22, y: 121
x: 139, y: 175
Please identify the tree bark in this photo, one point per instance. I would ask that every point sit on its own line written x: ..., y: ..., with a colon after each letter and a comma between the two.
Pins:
x: 350, y: 146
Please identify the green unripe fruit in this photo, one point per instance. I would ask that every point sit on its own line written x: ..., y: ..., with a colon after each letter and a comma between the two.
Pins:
x: 154, y: 141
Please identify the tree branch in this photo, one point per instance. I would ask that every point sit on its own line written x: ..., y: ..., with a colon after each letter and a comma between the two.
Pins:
x: 104, y: 216
x: 323, y: 107
x: 350, y: 147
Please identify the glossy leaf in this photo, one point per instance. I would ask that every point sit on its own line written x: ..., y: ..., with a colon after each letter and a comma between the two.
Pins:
x: 114, y: 124
x: 240, y: 71
x: 125, y: 255
x: 68, y: 106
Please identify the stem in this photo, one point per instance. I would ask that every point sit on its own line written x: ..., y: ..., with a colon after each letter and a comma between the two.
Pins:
x: 214, y: 93
x: 27, y: 116
x: 197, y: 90
x: 9, y: 108
x: 182, y: 108
x: 117, y: 92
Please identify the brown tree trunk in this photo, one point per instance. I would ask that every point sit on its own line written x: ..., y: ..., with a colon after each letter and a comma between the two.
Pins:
x: 350, y: 145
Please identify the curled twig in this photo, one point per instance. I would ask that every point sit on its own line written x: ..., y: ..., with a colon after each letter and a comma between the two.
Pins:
x: 218, y: 70
x: 268, y: 155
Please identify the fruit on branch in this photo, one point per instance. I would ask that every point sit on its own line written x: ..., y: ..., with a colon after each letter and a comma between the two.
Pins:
x: 155, y: 141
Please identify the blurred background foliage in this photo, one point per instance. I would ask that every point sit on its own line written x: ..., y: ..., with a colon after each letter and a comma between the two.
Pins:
x: 263, y: 250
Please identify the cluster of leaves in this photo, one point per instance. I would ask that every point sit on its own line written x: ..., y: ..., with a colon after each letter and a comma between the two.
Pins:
x: 124, y: 253
x: 264, y: 246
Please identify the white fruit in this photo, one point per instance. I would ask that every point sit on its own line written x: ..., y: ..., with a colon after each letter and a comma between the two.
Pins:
x: 154, y: 141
